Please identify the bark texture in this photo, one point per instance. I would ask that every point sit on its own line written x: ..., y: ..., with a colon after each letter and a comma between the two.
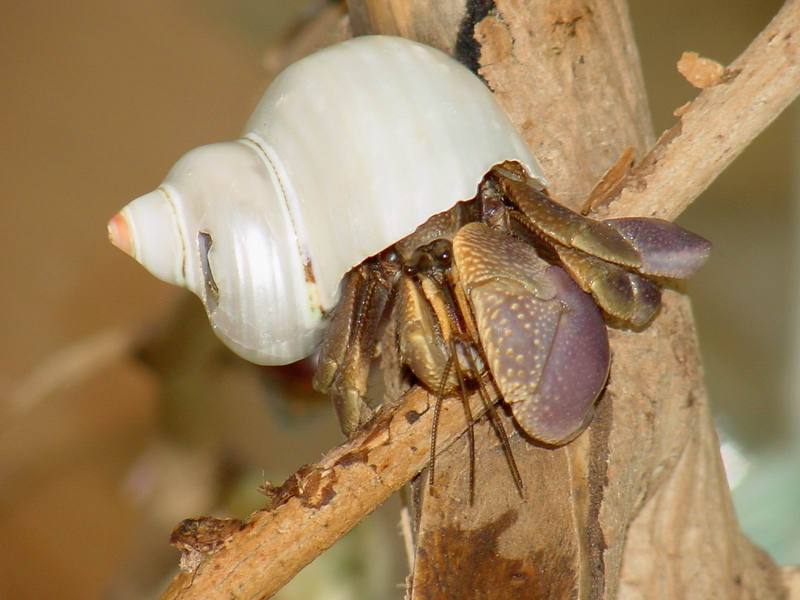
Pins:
x: 637, y: 506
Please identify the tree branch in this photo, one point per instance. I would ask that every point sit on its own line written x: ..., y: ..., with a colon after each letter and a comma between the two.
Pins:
x: 322, y: 502
x: 719, y: 124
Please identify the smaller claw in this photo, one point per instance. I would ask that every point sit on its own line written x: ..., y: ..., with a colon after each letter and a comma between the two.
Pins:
x: 667, y: 250
x: 620, y: 293
x: 422, y: 345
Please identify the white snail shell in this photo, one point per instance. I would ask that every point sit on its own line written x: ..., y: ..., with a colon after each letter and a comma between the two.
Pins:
x: 349, y: 150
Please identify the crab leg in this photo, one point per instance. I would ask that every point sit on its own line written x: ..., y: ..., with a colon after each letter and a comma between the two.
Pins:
x: 347, y: 352
x: 602, y: 256
x: 337, y: 341
x: 620, y: 293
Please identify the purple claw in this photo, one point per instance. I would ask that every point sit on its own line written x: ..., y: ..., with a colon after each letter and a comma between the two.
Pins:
x: 544, y: 338
x: 667, y: 250
x: 575, y: 370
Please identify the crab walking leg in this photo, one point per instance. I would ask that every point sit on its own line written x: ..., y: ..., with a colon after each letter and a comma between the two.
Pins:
x: 543, y: 337
x: 335, y: 344
x: 650, y: 246
x: 608, y: 259
x: 621, y: 293
x: 347, y: 352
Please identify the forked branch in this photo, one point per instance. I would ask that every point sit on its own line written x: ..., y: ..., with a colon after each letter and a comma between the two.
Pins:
x: 322, y: 502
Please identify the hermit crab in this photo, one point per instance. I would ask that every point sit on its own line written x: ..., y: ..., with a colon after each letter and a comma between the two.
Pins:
x: 378, y: 180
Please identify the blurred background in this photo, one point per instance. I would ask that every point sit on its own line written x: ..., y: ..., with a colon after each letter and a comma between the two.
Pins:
x: 120, y: 414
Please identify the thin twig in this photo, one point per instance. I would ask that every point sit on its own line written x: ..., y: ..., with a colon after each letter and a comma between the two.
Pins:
x: 719, y: 124
x: 322, y: 502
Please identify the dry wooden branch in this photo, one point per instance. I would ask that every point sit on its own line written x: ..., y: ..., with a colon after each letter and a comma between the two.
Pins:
x: 649, y: 466
x: 320, y: 503
x: 719, y: 123
x: 791, y: 578
x: 567, y: 74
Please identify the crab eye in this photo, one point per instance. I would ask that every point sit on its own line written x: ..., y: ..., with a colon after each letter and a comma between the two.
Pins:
x: 441, y: 252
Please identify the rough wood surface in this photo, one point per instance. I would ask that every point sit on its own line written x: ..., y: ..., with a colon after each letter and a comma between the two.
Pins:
x: 325, y: 26
x: 648, y: 469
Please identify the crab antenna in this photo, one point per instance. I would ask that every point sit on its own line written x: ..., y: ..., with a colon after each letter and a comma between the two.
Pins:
x: 499, y: 429
x: 471, y: 429
x: 437, y: 408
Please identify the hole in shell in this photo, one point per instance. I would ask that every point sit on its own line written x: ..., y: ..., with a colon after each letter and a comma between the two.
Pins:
x: 204, y: 244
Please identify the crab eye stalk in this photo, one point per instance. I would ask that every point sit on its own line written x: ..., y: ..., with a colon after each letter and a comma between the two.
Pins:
x: 441, y: 251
